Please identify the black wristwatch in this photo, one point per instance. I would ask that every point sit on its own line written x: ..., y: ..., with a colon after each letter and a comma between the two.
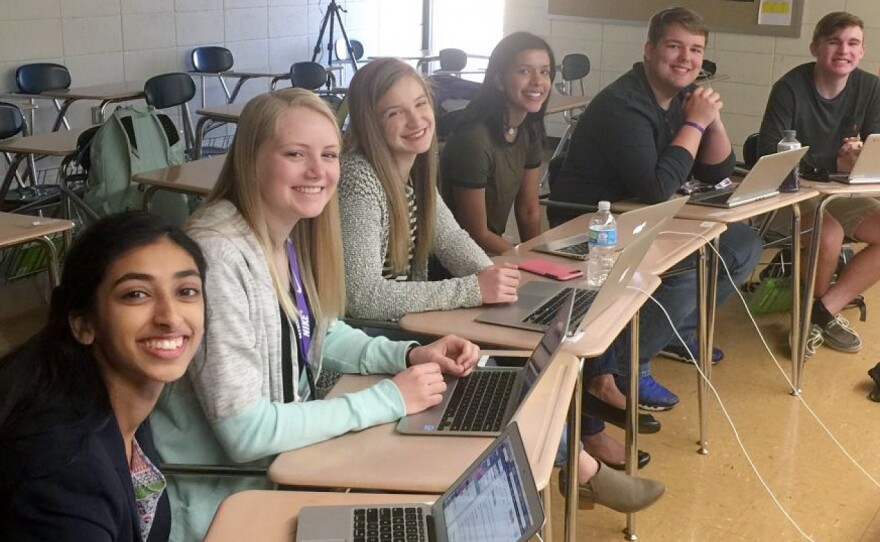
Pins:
x: 409, y: 350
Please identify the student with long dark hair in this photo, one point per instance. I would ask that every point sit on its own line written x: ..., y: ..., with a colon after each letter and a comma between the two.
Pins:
x: 77, y: 460
x: 492, y: 160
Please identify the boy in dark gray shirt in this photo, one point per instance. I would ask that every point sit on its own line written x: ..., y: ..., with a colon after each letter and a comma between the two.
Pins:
x: 833, y: 106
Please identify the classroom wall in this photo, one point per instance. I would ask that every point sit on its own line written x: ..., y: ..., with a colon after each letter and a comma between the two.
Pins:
x: 109, y: 41
x: 752, y: 62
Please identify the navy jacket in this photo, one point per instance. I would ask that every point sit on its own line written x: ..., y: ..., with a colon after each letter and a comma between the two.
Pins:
x: 68, y: 480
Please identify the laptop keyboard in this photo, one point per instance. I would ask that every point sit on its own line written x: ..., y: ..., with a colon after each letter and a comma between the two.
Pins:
x: 544, y: 314
x: 478, y: 402
x: 388, y: 524
x: 578, y: 249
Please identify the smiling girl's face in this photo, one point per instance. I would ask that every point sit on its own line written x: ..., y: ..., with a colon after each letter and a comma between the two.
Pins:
x: 148, y: 316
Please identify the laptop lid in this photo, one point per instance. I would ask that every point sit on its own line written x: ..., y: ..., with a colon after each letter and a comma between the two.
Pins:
x: 495, y: 499
x: 630, y: 225
x: 867, y: 167
x: 428, y: 421
x: 760, y: 182
x: 535, y: 293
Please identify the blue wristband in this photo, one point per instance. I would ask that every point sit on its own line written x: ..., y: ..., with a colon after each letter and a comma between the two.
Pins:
x: 694, y: 125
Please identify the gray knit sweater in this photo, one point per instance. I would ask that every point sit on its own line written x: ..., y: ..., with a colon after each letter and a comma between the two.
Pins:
x: 365, y: 227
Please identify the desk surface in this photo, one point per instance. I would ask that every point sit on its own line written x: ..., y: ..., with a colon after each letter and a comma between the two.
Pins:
x: 837, y: 189
x: 270, y: 516
x: 668, y: 248
x: 225, y: 113
x: 602, y: 329
x: 380, y: 458
x: 131, y: 90
x: 196, y: 177
x: 557, y: 103
x: 16, y: 229
x: 61, y: 143
x: 737, y: 214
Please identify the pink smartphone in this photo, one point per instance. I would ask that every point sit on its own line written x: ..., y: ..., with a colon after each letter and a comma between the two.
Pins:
x: 550, y: 269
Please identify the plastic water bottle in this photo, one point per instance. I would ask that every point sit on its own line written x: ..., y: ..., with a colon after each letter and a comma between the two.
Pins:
x: 789, y: 142
x: 603, y: 240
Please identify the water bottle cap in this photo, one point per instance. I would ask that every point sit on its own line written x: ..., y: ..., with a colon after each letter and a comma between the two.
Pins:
x: 604, y: 205
x: 789, y: 133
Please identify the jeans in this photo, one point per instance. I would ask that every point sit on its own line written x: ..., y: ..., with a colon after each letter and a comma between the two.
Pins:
x: 740, y: 247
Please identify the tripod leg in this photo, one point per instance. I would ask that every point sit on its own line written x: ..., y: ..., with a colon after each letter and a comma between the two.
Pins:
x: 317, y: 50
x: 348, y: 47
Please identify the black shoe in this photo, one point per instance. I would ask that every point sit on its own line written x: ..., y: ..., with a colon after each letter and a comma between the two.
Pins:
x: 594, y: 406
x: 644, y: 459
x: 874, y: 373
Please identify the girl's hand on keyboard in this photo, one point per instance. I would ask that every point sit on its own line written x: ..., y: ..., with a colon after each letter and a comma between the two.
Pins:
x: 421, y: 386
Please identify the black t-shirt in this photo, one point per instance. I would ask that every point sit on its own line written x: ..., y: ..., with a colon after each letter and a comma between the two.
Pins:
x: 820, y: 123
x: 620, y: 148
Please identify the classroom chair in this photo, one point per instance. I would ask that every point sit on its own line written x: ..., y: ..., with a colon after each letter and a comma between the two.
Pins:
x: 38, y: 77
x: 213, y: 60
x: 169, y: 90
x: 312, y: 76
x: 451, y: 60
x: 341, y: 51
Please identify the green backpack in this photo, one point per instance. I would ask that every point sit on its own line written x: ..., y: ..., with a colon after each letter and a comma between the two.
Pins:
x: 133, y: 140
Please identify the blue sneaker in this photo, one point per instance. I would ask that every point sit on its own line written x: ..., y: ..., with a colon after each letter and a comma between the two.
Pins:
x: 652, y: 394
x: 678, y: 352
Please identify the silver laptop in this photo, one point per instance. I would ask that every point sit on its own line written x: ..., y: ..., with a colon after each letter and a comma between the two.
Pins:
x: 629, y: 226
x: 536, y: 299
x: 867, y: 167
x: 482, y: 403
x: 761, y: 182
x: 495, y: 500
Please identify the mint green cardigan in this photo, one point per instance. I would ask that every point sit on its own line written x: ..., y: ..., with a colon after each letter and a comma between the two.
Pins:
x: 229, y: 408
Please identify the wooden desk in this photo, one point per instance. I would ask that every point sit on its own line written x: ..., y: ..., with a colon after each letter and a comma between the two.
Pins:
x: 197, y: 177
x: 219, y: 114
x: 62, y: 143
x: 667, y: 250
x: 270, y: 516
x: 708, y: 276
x: 106, y: 94
x: 380, y: 458
x: 20, y: 229
x: 827, y: 193
x: 559, y: 103
x: 242, y: 76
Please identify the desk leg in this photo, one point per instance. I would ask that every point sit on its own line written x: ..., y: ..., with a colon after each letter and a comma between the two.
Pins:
x: 49, y: 247
x: 632, y: 419
x: 807, y: 305
x: 148, y: 196
x: 797, y: 345
x: 702, y: 333
x: 547, y: 497
x: 241, y: 81
x: 574, y: 438
x: 200, y: 136
x: 62, y: 114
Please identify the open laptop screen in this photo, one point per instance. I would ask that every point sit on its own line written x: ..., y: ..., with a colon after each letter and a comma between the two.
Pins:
x: 490, y: 504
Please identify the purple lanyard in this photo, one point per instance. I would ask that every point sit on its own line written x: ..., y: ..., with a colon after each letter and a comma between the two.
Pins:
x: 304, y: 337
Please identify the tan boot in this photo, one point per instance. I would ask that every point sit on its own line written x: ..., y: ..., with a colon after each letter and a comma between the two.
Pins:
x: 615, y: 490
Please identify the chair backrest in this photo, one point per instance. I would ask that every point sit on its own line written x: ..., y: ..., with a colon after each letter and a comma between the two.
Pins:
x: 41, y: 76
x: 453, y: 60
x: 308, y: 75
x: 750, y: 151
x: 575, y: 66
x: 169, y: 89
x: 211, y: 59
x: 357, y: 48
x: 11, y: 120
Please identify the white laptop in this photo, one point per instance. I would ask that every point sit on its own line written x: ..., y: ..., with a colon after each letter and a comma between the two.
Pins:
x: 761, y: 182
x: 495, y: 500
x: 629, y: 226
x: 867, y: 167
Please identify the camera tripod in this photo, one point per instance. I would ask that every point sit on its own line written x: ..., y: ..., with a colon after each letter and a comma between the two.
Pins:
x: 332, y: 17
